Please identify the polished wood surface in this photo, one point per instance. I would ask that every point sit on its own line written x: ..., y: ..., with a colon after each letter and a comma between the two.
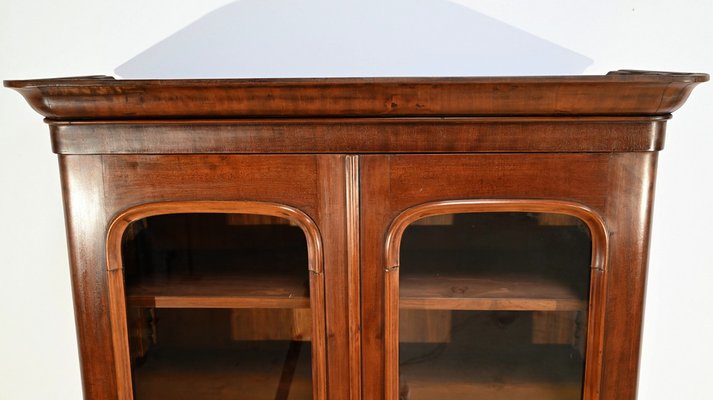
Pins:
x: 300, y: 219
x: 86, y: 219
x: 271, y: 183
x: 353, y: 163
x: 620, y: 93
x: 183, y: 374
x: 221, y: 291
x: 354, y: 263
x: 408, y: 188
x: 594, y: 222
x: 364, y: 135
x: 492, y: 374
x: 505, y: 293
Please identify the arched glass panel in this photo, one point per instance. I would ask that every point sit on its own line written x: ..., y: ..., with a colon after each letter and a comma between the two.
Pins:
x: 493, y: 305
x: 218, y: 307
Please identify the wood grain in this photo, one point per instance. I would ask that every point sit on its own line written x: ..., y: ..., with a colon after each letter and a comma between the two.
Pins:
x: 405, y: 182
x: 631, y: 178
x: 353, y: 162
x: 106, y: 98
x: 221, y: 291
x: 86, y: 218
x: 593, y: 221
x: 468, y: 292
x: 353, y: 271
x: 189, y: 295
x: 362, y: 135
x: 265, y: 324
x: 252, y: 370
x: 556, y: 328
x: 424, y: 326
x: 331, y: 203
x: 490, y: 356
x: 374, y: 188
x: 300, y: 219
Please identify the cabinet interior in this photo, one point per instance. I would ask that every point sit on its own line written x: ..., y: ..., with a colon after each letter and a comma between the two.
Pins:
x: 494, y: 306
x: 491, y: 305
x: 218, y: 307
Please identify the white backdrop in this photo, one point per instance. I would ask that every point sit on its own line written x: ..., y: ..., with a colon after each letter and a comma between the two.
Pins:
x: 45, y: 38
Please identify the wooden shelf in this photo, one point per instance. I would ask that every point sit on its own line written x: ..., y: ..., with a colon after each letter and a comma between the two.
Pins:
x: 490, y: 358
x: 496, y: 391
x: 486, y: 292
x: 270, y: 371
x: 221, y: 291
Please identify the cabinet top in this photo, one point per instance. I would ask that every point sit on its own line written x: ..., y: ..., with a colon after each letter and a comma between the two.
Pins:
x: 625, y: 92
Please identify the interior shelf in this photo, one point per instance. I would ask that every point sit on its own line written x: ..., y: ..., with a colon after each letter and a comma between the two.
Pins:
x: 504, y: 292
x: 253, y: 290
x: 490, y: 355
x: 270, y: 371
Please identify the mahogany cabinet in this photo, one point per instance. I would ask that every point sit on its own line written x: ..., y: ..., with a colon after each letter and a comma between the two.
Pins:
x: 390, y: 238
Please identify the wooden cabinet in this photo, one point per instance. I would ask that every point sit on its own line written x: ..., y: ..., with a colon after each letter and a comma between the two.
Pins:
x: 359, y: 238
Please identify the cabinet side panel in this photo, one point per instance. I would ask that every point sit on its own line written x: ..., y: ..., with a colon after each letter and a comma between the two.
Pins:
x: 82, y: 187
x: 628, y: 215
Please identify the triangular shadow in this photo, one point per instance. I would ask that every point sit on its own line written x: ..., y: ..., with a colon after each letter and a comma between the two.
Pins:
x: 348, y: 38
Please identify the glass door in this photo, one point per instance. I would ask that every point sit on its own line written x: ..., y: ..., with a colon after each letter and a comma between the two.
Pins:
x: 493, y: 305
x: 218, y: 306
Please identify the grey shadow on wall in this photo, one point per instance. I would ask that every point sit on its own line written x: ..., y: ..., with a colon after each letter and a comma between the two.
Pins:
x: 349, y: 38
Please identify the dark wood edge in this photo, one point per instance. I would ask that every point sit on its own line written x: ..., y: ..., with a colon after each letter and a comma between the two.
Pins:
x: 362, y: 135
x: 117, y: 301
x: 352, y: 169
x: 695, y: 77
x: 296, y: 121
x: 600, y: 252
x: 625, y: 75
x: 119, y: 334
x: 319, y: 335
x: 122, y: 220
x: 17, y: 83
x: 624, y: 93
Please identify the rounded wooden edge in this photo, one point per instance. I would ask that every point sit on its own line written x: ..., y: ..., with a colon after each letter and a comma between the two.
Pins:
x: 600, y: 251
x: 101, y: 98
x: 115, y: 281
x: 625, y: 75
x: 594, y: 222
x: 122, y: 221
